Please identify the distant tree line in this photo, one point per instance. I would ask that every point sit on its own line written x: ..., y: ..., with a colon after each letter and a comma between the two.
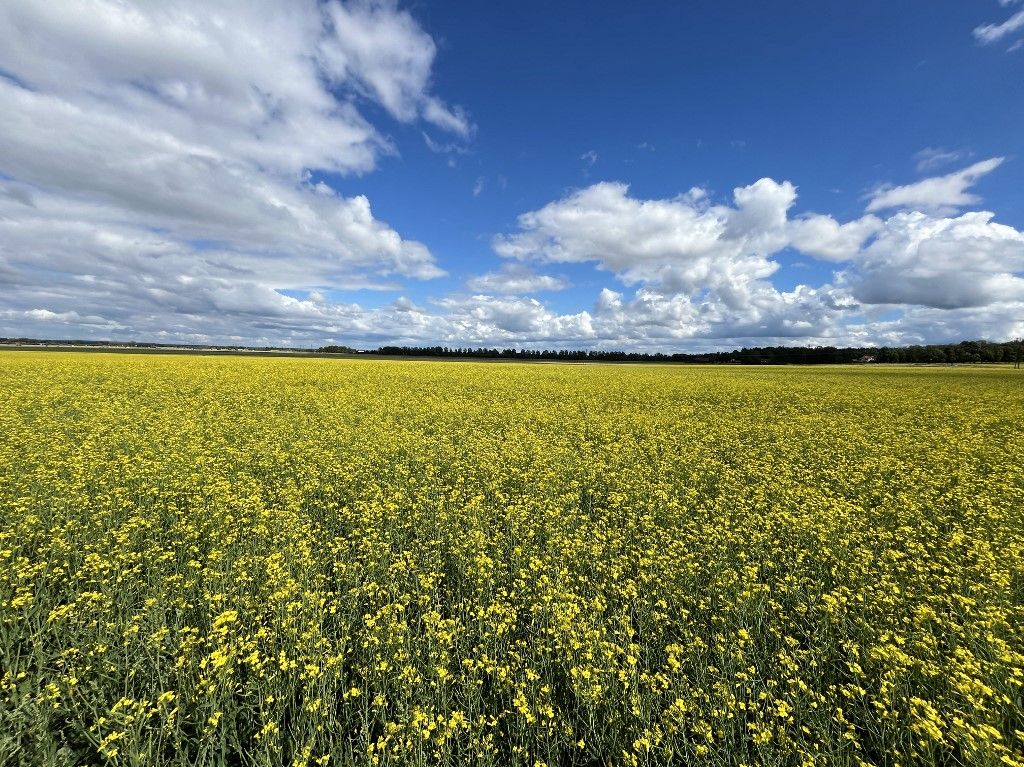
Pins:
x: 959, y: 353
x: 963, y: 352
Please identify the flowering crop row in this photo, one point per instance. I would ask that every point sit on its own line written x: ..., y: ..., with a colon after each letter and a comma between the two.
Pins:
x: 245, y: 561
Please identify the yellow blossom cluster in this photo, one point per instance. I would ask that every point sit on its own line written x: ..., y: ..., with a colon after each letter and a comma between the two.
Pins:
x: 259, y: 561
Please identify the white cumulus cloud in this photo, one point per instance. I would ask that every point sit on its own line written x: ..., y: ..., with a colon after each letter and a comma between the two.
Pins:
x: 681, y: 244
x: 943, y: 263
x: 826, y: 239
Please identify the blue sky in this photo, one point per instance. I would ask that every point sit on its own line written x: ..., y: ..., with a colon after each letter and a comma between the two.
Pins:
x: 467, y: 174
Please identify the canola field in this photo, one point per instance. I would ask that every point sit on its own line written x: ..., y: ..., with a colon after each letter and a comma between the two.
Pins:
x: 251, y: 561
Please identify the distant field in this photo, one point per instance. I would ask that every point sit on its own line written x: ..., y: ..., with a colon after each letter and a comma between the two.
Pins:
x: 274, y: 561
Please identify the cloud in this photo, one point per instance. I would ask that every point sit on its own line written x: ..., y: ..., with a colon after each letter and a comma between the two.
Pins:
x: 702, y: 271
x: 931, y: 158
x: 453, y: 119
x: 389, y: 57
x: 991, y: 33
x: 826, y: 239
x: 942, y: 263
x: 490, y: 319
x: 156, y: 163
x: 922, y: 325
x: 516, y: 279
x: 699, y: 277
x: 652, y: 318
x: 680, y: 244
x: 478, y: 186
x: 589, y: 158
x: 446, y: 147
x: 939, y: 194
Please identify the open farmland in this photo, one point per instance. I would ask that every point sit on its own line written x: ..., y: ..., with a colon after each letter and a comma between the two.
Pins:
x: 309, y: 562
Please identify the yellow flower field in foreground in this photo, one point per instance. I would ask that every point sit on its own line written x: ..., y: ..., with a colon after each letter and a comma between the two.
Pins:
x: 240, y: 561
